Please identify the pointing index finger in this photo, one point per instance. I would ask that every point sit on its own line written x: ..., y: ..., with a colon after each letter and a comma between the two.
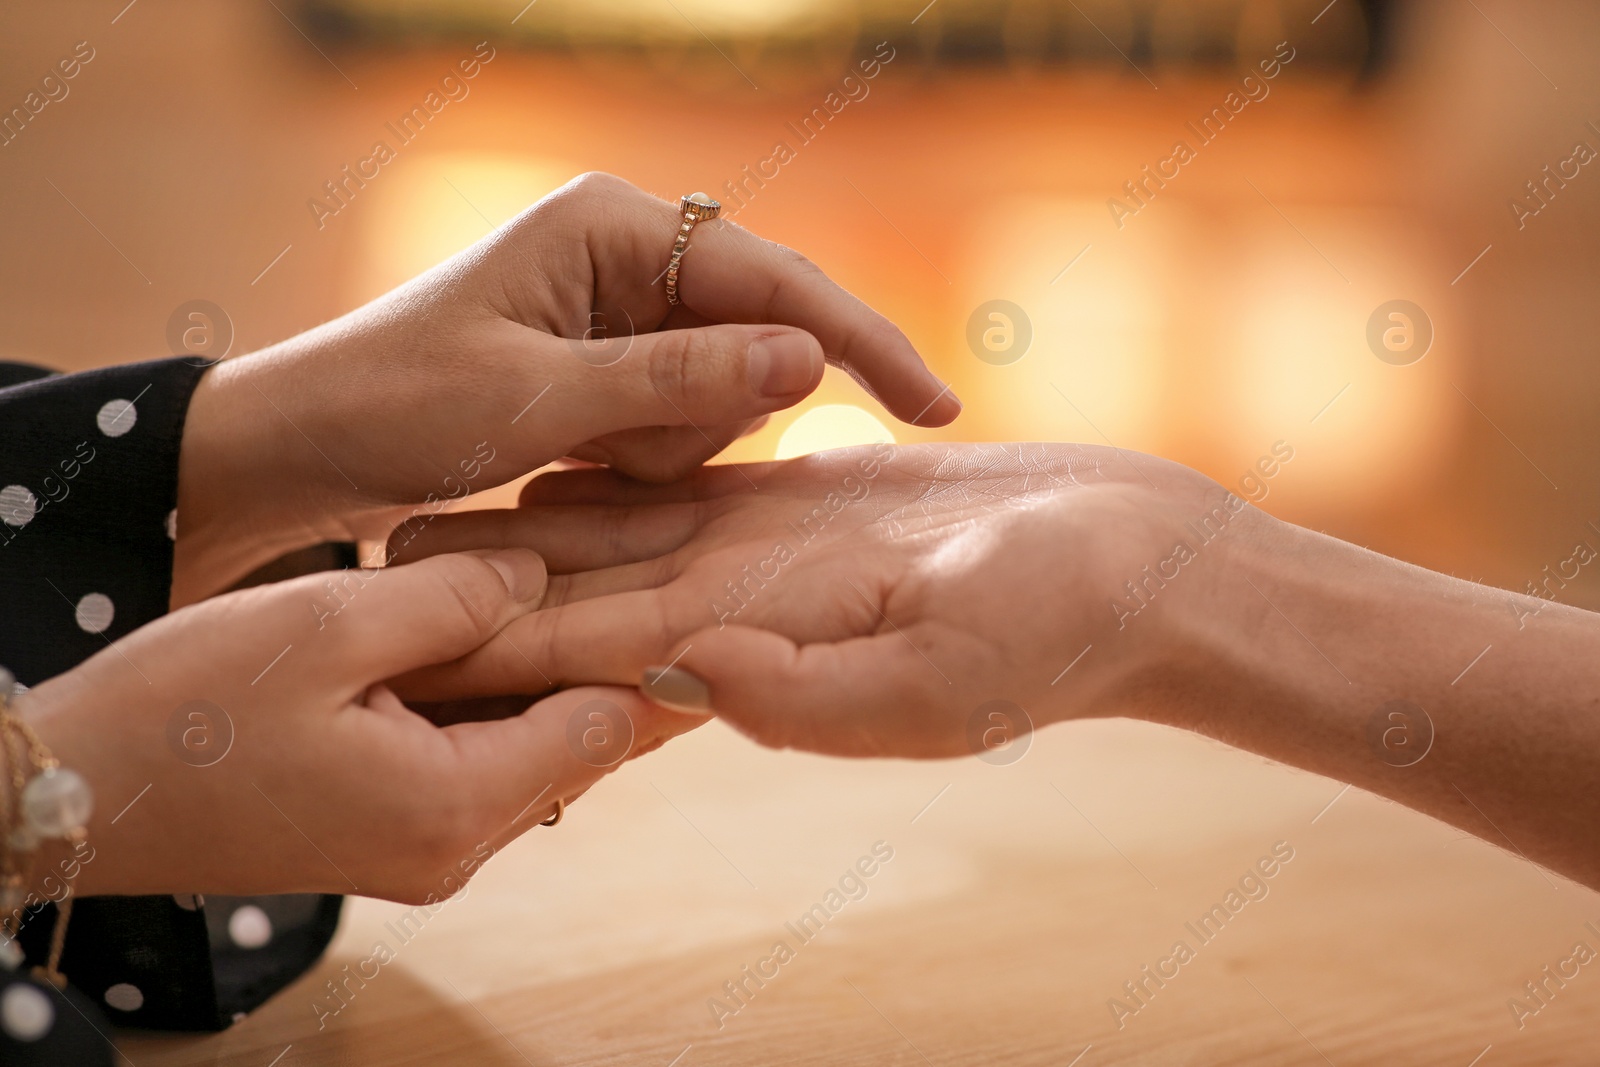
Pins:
x: 731, y: 275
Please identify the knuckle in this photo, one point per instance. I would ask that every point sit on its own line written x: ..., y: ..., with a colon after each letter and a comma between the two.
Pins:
x: 473, y: 593
x: 570, y: 207
x: 672, y: 363
x: 795, y: 260
x: 881, y: 335
x: 796, y: 270
x: 593, y: 183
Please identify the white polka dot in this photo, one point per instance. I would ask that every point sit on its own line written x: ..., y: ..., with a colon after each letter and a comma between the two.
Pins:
x: 18, y: 506
x: 10, y: 955
x: 172, y: 525
x: 125, y: 997
x: 94, y: 613
x: 249, y: 927
x: 116, y: 417
x: 26, y: 1014
x: 189, y: 901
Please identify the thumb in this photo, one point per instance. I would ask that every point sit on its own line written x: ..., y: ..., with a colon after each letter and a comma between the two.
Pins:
x: 865, y: 696
x: 376, y: 623
x: 710, y: 376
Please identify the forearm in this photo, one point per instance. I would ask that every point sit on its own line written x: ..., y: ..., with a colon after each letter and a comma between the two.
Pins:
x: 1313, y: 640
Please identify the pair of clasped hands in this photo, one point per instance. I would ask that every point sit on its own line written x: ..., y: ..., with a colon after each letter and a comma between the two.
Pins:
x: 395, y: 717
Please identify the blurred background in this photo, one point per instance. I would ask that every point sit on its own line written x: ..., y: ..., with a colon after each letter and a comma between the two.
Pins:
x: 1215, y: 313
x: 1375, y: 251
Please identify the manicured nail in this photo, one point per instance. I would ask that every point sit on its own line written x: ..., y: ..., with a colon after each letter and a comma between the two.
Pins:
x: 783, y: 364
x: 523, y: 571
x: 676, y: 688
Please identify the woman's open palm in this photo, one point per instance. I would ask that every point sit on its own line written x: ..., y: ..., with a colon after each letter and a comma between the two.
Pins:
x: 866, y: 601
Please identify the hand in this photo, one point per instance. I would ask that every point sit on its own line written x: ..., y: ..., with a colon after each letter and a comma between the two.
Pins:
x: 552, y: 337
x: 872, y: 604
x: 863, y: 602
x: 301, y: 772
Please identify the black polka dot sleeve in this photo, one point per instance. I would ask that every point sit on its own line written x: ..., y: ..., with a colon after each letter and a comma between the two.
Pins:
x: 88, y: 498
x: 88, y: 491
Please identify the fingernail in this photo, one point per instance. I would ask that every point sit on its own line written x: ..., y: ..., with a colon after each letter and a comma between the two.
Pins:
x: 676, y: 688
x: 784, y: 363
x: 522, y: 569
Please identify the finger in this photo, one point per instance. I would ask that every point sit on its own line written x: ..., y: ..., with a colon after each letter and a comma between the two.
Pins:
x: 731, y: 275
x: 578, y: 537
x: 610, y: 581
x: 711, y: 376
x: 606, y: 640
x: 608, y: 487
x: 865, y: 696
x: 738, y: 275
x: 558, y: 748
x: 380, y: 622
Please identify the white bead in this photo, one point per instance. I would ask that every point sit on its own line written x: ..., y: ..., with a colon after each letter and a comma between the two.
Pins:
x: 56, y: 802
x: 10, y: 955
x: 26, y: 1014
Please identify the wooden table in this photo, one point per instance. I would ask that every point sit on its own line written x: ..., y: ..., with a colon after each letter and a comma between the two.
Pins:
x: 1018, y: 901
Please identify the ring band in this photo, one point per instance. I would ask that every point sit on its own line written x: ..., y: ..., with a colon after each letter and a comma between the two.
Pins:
x: 696, y: 207
x: 561, y: 809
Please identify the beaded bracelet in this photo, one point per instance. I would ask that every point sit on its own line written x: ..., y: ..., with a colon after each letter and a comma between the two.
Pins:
x: 39, y: 799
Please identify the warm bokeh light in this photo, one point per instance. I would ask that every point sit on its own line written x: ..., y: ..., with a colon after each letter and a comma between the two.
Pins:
x: 433, y: 206
x: 1296, y: 358
x: 831, y: 426
x: 1093, y: 370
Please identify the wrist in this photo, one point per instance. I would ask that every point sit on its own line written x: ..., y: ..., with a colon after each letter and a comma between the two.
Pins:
x: 48, y: 857
x: 245, y: 496
x: 72, y: 718
x: 1300, y: 637
x: 1213, y: 643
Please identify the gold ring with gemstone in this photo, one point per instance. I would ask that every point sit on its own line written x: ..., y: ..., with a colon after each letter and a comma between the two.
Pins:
x: 696, y: 207
x: 561, y: 809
